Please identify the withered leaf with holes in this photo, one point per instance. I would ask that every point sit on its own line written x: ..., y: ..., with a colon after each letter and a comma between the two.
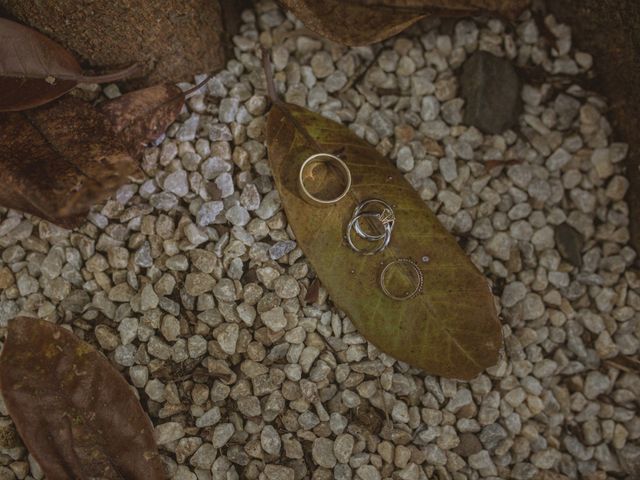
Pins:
x: 361, y: 22
x: 56, y: 161
x: 75, y: 413
x: 451, y: 328
x: 35, y: 70
x: 141, y: 116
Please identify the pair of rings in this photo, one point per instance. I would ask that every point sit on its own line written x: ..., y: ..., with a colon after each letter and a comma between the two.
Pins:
x: 382, y: 216
x: 400, y: 279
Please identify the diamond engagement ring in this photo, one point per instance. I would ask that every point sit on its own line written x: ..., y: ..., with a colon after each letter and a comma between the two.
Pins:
x: 381, y: 217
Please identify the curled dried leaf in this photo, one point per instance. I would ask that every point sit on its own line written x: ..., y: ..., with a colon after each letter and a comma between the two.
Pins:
x: 75, y: 413
x: 59, y: 160
x: 361, y: 22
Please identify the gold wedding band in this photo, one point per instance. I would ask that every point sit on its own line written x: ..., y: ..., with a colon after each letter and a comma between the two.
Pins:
x: 331, y: 161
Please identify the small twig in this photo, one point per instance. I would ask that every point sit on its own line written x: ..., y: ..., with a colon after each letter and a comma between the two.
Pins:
x: 384, y: 403
x: 268, y: 72
x: 188, y: 92
x: 107, y: 77
x: 363, y: 72
x: 302, y: 32
x: 491, y: 164
x: 626, y: 363
x: 277, y: 102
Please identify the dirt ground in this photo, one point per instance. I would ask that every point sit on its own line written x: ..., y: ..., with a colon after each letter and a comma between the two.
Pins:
x: 610, y: 31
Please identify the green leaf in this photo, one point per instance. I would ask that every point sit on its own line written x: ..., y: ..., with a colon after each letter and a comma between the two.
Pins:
x: 451, y: 328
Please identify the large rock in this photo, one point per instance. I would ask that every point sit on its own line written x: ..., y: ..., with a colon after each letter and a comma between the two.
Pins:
x: 491, y: 90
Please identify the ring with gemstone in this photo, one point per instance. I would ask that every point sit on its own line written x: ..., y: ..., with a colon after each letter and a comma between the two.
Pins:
x: 383, y: 241
x: 334, y: 191
x: 385, y: 217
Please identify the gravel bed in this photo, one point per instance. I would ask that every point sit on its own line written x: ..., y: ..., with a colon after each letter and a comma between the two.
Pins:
x: 191, y: 282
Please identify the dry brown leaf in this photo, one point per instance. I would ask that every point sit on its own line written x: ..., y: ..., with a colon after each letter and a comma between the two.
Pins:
x: 141, y: 116
x: 361, y: 22
x: 35, y: 70
x: 313, y: 292
x: 75, y: 413
x: 59, y: 160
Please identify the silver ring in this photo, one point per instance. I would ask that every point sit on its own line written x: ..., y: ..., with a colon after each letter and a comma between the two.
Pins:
x: 407, y: 295
x: 386, y: 237
x: 385, y: 216
x: 330, y: 160
x: 371, y: 201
